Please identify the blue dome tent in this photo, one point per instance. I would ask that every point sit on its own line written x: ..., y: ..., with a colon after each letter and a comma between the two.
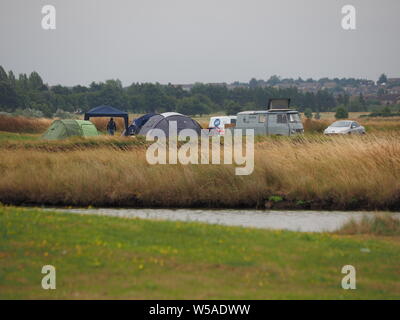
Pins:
x: 108, y: 111
x: 138, y: 123
x: 161, y: 121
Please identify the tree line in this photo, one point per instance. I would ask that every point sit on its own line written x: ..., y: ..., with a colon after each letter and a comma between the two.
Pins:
x: 30, y: 92
x: 343, y: 82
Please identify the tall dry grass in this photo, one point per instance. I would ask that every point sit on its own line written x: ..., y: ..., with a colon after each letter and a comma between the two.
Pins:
x: 74, y: 143
x: 372, y: 125
x: 380, y: 224
x: 378, y: 124
x: 335, y: 172
x: 40, y: 125
x: 24, y: 125
x: 315, y: 126
x: 101, y: 123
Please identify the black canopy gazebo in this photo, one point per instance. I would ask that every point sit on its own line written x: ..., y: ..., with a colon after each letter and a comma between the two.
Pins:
x: 108, y: 111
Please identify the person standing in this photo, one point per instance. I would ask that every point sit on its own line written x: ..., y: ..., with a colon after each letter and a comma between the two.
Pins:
x: 111, y: 127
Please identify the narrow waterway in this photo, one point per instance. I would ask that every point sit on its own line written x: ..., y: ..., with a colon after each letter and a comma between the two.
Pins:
x: 305, y: 221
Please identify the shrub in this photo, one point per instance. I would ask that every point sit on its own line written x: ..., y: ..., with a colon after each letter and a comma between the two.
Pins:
x: 341, y: 113
x: 28, y: 113
x: 314, y: 126
x: 308, y: 113
x: 275, y: 198
x: 61, y: 114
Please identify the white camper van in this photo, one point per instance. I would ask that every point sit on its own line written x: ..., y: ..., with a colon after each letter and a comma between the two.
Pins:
x: 217, y: 124
x: 277, y: 120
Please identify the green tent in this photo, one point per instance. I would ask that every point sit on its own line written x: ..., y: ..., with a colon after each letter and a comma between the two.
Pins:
x: 61, y: 129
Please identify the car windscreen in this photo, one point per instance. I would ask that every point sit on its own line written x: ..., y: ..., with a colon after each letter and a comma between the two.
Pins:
x: 294, y: 118
x: 341, y: 124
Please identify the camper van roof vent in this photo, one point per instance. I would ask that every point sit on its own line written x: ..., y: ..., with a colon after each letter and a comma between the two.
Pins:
x: 282, y: 103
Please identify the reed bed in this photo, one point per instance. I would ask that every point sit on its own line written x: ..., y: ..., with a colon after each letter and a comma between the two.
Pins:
x: 101, y: 124
x: 382, y: 224
x: 372, y: 125
x: 305, y: 172
x: 377, y: 124
x: 315, y: 126
x: 71, y: 144
x: 40, y: 125
x: 23, y: 125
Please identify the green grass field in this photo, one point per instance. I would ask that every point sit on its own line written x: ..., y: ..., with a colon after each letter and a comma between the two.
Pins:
x: 11, y: 136
x: 105, y: 257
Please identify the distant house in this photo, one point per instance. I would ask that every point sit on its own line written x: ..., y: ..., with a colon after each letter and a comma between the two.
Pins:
x: 237, y: 85
x: 185, y: 87
x: 393, y: 81
x: 217, y: 84
x: 394, y: 90
x: 388, y: 99
x: 309, y: 87
x: 283, y: 85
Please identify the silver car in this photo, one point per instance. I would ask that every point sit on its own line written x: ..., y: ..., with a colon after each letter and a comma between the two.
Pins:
x: 345, y: 127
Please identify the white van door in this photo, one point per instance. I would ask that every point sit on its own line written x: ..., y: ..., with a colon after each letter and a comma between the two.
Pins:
x: 278, y: 124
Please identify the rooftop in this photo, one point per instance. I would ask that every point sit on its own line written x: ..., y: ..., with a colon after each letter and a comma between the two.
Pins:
x: 268, y: 111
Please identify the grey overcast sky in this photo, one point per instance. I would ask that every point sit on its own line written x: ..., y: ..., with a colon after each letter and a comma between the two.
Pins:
x: 184, y: 41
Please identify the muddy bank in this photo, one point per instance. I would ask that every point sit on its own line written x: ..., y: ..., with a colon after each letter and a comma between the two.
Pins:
x: 328, y: 205
x: 302, y: 220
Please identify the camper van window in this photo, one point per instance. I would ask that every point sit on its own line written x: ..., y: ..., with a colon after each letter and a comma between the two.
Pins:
x: 261, y: 118
x: 294, y: 118
x: 281, y: 118
x: 233, y: 121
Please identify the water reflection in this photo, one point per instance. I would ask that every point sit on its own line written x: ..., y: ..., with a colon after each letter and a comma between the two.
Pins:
x: 305, y: 221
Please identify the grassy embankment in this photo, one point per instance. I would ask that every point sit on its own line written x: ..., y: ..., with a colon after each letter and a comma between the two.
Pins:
x: 380, y: 225
x: 23, y: 125
x: 105, y: 257
x: 305, y: 172
x: 298, y: 172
